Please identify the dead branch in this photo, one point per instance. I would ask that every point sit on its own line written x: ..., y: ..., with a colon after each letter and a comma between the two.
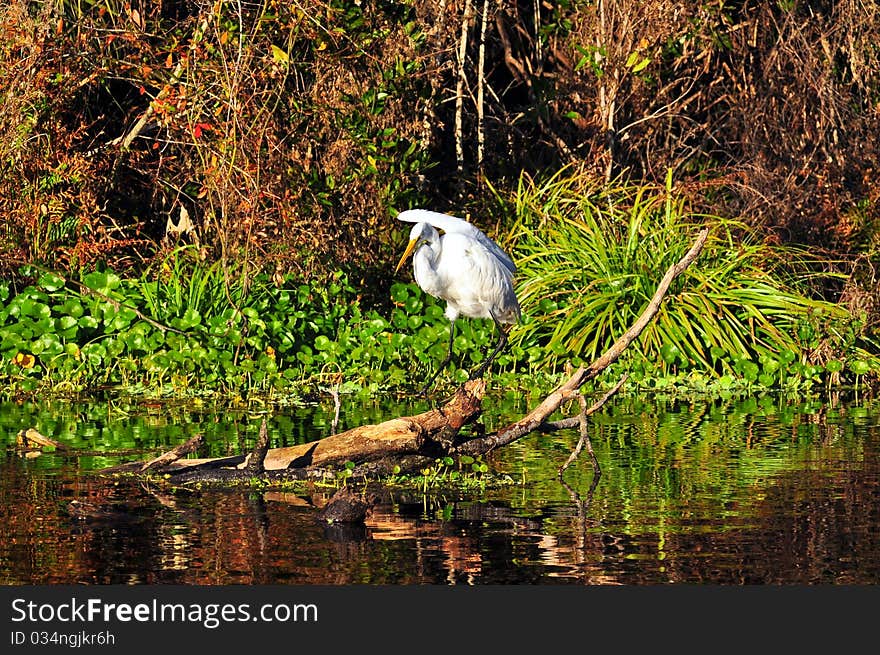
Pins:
x: 32, y: 439
x: 254, y: 463
x: 139, y: 125
x: 422, y: 434
x: 173, y: 455
x: 582, y: 424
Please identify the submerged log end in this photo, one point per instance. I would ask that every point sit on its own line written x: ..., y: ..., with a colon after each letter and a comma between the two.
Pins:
x: 347, y: 506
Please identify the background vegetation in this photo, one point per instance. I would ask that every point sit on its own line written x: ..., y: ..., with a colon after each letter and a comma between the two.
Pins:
x: 232, y: 171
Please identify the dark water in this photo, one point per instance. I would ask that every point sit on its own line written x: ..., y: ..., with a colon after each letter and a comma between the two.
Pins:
x: 741, y: 491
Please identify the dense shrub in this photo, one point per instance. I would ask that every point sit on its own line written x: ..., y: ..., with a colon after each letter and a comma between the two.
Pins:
x: 290, y: 133
x: 279, y: 140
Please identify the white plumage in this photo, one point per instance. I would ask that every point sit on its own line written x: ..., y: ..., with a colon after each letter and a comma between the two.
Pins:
x: 465, y: 268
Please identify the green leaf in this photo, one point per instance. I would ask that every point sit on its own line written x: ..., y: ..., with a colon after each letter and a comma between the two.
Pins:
x: 89, y: 322
x: 834, y: 366
x: 769, y: 363
x: 135, y: 340
x: 157, y: 362
x: 120, y: 319
x: 641, y: 65
x: 71, y: 307
x: 669, y: 352
x: 48, y: 345
x: 115, y: 347
x: 93, y: 353
x: 279, y: 55
x: 104, y: 282
x: 51, y: 282
x: 191, y: 318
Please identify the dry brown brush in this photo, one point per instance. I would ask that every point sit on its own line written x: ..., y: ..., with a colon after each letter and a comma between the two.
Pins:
x: 289, y: 133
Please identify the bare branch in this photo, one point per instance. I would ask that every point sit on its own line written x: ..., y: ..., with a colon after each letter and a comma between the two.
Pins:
x: 459, y: 89
x: 172, y: 455
x: 582, y: 424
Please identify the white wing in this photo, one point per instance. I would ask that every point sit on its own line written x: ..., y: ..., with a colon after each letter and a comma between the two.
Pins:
x: 474, y: 281
x: 454, y: 224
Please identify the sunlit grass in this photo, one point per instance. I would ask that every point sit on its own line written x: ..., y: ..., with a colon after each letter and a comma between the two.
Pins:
x: 590, y: 256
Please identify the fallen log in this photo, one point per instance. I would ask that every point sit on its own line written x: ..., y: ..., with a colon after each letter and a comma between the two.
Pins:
x: 173, y: 455
x: 407, y: 443
x: 31, y: 439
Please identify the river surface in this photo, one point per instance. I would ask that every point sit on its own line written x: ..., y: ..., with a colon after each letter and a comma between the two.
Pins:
x: 742, y: 491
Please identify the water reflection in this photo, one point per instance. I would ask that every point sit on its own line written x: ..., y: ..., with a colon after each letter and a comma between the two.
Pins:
x: 733, y: 492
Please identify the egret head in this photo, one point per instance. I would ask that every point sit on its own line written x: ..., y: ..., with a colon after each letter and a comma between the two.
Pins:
x: 420, y: 233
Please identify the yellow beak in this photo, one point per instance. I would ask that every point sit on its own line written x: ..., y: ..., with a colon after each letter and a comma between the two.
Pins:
x: 406, y: 253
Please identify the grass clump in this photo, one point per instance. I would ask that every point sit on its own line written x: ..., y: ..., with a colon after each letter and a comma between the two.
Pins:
x: 591, y: 254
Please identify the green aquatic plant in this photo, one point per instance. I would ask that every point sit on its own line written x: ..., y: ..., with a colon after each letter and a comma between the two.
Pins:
x: 187, y: 327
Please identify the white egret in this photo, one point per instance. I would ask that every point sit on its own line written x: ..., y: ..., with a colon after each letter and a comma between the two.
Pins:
x: 465, y: 268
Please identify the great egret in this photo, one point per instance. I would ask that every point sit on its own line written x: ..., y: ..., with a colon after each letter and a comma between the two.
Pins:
x: 465, y: 268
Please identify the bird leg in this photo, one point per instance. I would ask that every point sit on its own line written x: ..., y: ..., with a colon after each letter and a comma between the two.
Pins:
x: 446, y: 361
x: 502, y: 341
